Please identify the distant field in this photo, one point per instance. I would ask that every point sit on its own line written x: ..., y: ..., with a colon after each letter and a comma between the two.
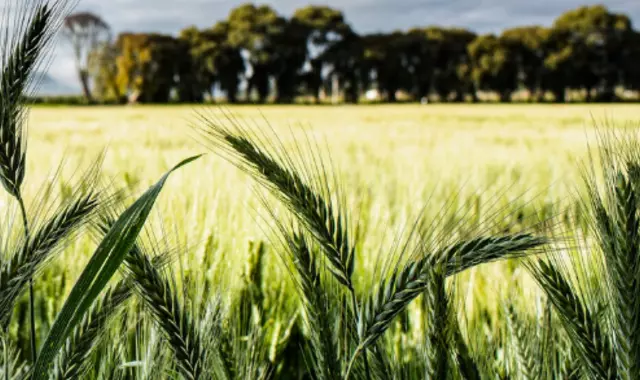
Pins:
x: 405, y: 147
x: 398, y: 153
x: 393, y: 159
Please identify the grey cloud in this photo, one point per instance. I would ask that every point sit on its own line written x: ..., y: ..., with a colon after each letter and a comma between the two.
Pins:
x: 365, y: 15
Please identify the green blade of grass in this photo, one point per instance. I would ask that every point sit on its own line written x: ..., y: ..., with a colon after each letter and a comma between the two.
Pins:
x: 101, y: 267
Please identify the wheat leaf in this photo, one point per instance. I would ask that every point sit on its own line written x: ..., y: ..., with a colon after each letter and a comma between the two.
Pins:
x: 101, y: 267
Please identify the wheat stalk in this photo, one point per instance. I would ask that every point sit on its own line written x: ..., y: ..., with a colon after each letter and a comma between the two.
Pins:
x: 19, y: 61
x: 467, y: 366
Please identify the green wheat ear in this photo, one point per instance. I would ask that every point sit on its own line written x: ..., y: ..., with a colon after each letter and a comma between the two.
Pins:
x: 17, y: 71
x: 301, y: 186
x: 20, y: 60
x: 581, y: 324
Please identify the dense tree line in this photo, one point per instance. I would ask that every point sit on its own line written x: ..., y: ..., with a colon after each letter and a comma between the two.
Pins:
x: 258, y: 55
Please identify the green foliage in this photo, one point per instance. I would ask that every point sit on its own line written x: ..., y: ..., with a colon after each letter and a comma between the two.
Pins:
x: 146, y: 66
x: 493, y: 66
x: 588, y: 53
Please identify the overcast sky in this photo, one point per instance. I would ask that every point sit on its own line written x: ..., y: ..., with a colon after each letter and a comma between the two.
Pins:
x: 169, y: 16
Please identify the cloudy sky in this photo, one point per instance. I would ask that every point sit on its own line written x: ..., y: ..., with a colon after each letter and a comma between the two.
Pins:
x: 169, y: 16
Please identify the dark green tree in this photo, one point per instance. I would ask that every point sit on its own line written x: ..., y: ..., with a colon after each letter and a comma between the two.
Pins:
x: 631, y: 62
x: 386, y: 55
x: 494, y: 67
x: 452, y: 63
x: 197, y: 75
x: 420, y: 60
x: 228, y: 63
x: 347, y: 66
x: 322, y: 27
x: 256, y: 30
x: 148, y: 65
x: 213, y: 60
x: 527, y: 45
x: 588, y: 49
x: 287, y: 59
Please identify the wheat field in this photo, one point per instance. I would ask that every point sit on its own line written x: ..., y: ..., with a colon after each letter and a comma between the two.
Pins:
x: 393, y: 159
x: 393, y: 163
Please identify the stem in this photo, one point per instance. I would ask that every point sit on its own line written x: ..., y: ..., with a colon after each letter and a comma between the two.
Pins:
x: 352, y: 361
x: 356, y: 312
x: 32, y: 313
x: 5, y: 344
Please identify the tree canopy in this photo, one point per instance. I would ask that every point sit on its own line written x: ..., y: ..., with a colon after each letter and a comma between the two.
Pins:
x: 257, y: 54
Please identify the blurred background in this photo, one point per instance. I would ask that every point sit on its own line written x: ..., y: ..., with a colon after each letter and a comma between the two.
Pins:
x: 160, y: 51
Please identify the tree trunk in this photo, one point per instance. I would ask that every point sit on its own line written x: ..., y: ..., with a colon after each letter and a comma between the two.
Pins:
x: 423, y: 90
x: 505, y: 96
x: 231, y: 96
x: 351, y: 93
x: 458, y: 96
x: 84, y: 80
x: 116, y: 90
x: 559, y: 95
x: 534, y: 95
x: 391, y: 96
x: 443, y: 95
x: 210, y: 93
x: 589, y: 98
x: 607, y: 95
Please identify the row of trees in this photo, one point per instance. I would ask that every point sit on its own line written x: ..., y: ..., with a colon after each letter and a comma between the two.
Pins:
x: 257, y: 55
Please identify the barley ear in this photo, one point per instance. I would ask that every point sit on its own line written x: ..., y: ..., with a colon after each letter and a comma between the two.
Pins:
x: 617, y: 232
x: 44, y: 242
x: 524, y: 358
x: 316, y: 307
x: 36, y: 23
x: 592, y: 344
x: 174, y: 320
x: 485, y: 249
x: 17, y: 70
x: 277, y: 172
x: 395, y: 293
